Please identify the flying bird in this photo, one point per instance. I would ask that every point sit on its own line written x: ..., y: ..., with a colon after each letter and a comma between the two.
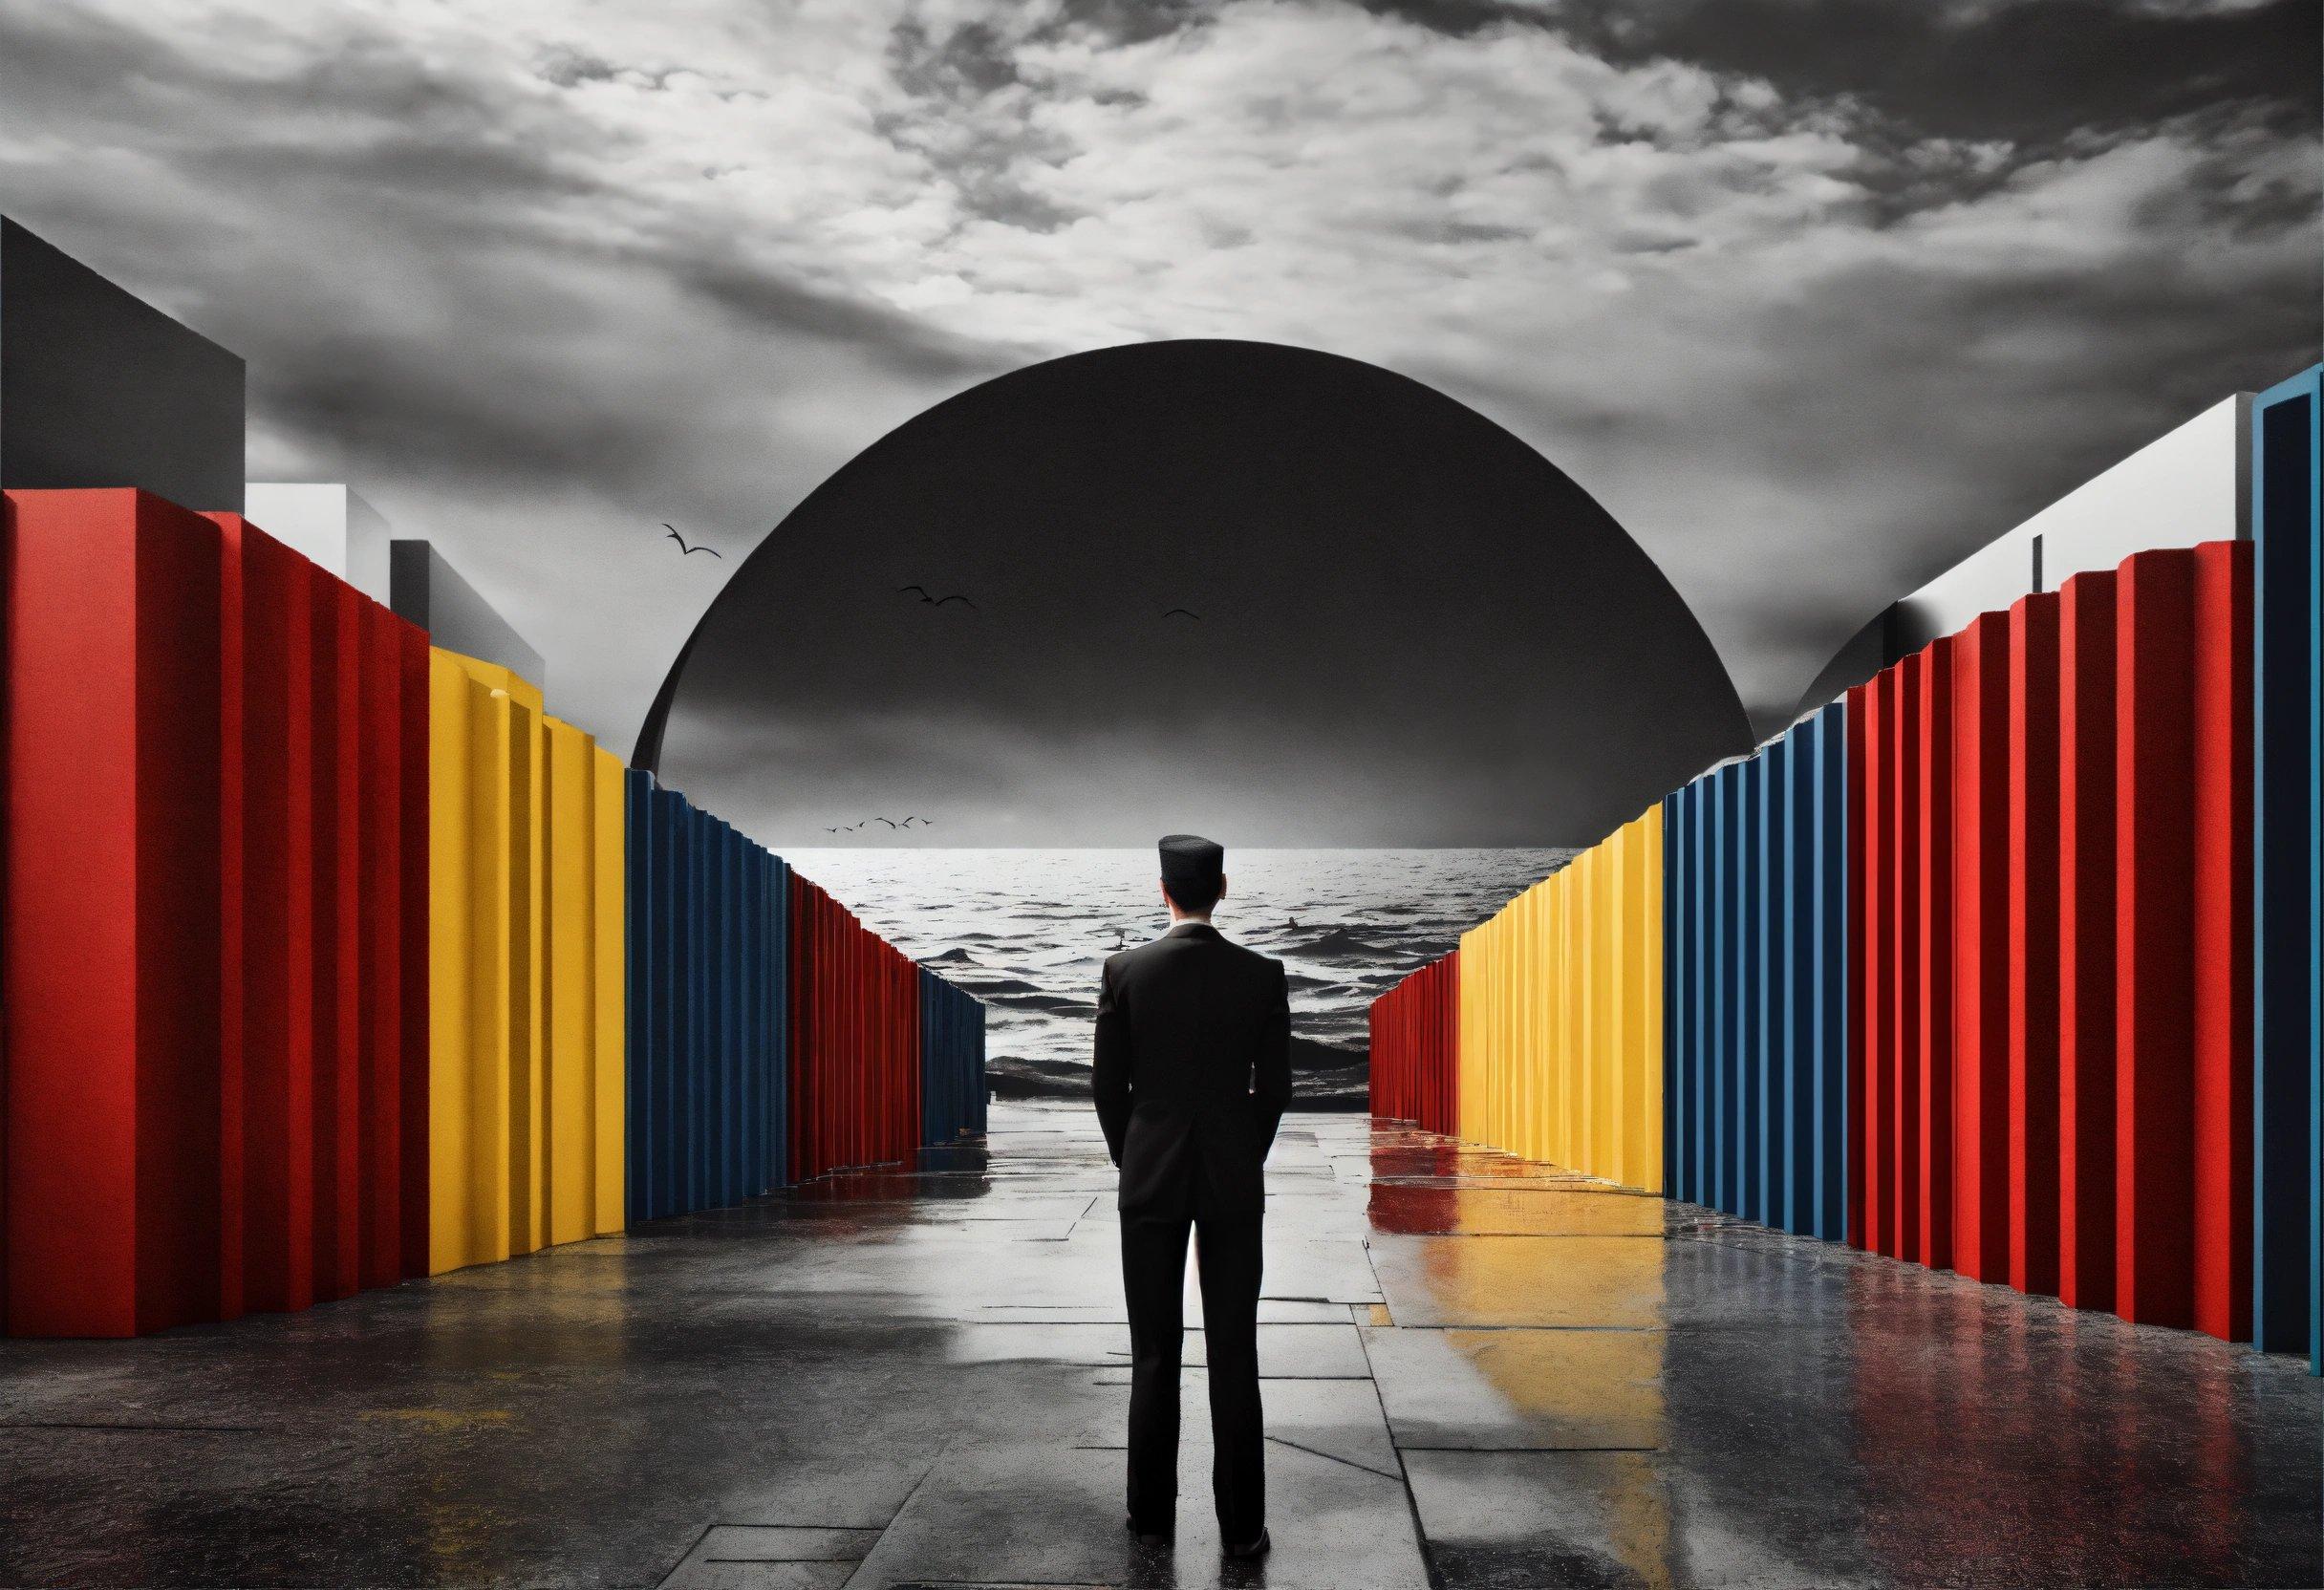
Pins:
x: 685, y: 550
x: 890, y: 824
x: 908, y: 821
x: 927, y: 600
x: 1176, y: 612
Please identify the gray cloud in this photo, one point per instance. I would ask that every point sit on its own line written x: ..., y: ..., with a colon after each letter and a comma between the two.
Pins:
x: 1849, y: 284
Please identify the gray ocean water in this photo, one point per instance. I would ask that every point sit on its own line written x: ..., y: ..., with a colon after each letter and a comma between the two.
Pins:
x: 1027, y: 930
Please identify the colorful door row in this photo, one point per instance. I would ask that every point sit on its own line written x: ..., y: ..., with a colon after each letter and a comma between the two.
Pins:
x: 327, y: 959
x: 2009, y: 964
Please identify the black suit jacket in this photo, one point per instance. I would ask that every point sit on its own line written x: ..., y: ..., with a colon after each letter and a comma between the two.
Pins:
x: 1192, y: 1073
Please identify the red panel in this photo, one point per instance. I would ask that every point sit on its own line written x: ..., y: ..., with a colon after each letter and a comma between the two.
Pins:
x: 329, y: 802
x: 232, y: 954
x: 347, y: 936
x: 112, y: 1022
x: 854, y: 1018
x: 1414, y: 1043
x: 1980, y: 1014
x: 2050, y: 833
x: 1933, y: 1043
x: 1901, y: 1089
x: 2222, y: 919
x: 2085, y: 938
x: 2032, y: 965
x: 795, y: 1023
x: 276, y: 947
x: 2154, y: 940
x: 380, y: 1123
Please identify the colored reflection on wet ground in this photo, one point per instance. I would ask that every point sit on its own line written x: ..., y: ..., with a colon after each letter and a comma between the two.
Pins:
x: 1478, y: 1372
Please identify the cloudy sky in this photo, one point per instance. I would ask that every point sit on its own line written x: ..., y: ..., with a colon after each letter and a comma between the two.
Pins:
x: 1814, y: 295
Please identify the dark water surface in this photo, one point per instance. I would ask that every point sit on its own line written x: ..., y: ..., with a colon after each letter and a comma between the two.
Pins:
x: 1027, y: 930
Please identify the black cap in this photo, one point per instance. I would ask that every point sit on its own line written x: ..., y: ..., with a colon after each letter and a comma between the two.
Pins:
x: 1191, y: 858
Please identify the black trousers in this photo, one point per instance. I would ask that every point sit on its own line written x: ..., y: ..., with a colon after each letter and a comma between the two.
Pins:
x: 1153, y: 1278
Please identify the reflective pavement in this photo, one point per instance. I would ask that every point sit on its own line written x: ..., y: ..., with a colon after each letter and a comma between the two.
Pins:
x: 1478, y: 1372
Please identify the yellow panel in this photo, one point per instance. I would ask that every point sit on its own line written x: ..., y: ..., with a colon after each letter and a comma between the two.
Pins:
x: 572, y: 965
x: 536, y: 967
x: 472, y: 1015
x: 528, y: 850
x: 1474, y: 986
x: 1560, y: 1035
x: 451, y: 1126
x: 493, y: 677
x: 609, y: 1042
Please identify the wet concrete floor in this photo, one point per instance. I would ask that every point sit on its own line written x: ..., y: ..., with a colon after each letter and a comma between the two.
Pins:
x: 1478, y: 1372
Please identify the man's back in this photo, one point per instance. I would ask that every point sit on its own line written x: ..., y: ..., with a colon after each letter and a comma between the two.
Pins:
x: 1193, y: 1071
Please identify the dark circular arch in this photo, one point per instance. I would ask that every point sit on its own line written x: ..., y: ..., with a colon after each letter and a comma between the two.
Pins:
x: 1416, y: 522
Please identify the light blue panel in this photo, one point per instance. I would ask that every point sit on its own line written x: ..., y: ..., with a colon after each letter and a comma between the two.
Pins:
x: 1751, y: 1022
x: 2288, y: 1085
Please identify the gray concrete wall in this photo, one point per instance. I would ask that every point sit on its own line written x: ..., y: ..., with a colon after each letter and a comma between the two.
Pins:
x: 329, y: 524
x: 426, y: 591
x: 98, y: 388
x: 2189, y: 486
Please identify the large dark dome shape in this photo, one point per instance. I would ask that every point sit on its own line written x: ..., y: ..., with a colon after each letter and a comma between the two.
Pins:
x: 1412, y: 629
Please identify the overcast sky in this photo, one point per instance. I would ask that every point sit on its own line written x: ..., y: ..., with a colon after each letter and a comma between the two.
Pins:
x: 1813, y: 296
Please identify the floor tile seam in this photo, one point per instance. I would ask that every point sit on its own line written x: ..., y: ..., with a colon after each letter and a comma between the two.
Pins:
x: 1412, y: 1502
x: 1528, y: 1446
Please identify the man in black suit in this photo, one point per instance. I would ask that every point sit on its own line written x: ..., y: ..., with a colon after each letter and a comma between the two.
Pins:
x: 1193, y: 1076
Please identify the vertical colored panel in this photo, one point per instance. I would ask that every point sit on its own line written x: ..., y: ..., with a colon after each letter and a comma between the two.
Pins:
x: 2288, y: 1155
x: 571, y: 964
x: 1870, y: 709
x: 330, y: 1010
x: 2220, y: 782
x: 609, y: 985
x: 2154, y: 941
x: 111, y: 1019
x: 266, y: 1086
x: 416, y: 810
x: 379, y: 1118
x: 1756, y: 1103
x: 2032, y: 943
x: 1833, y: 939
x: 1980, y: 1015
x: 1933, y: 1043
x: 2086, y: 941
x: 643, y: 942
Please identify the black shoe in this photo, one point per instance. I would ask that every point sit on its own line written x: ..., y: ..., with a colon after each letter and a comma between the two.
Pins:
x: 1260, y: 1547
x: 1154, y: 1539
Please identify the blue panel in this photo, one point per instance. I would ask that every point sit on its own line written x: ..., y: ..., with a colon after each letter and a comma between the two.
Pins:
x: 1749, y: 1046
x: 2287, y: 1087
x: 779, y: 1021
x: 1674, y: 979
x: 708, y: 925
x: 1794, y: 951
x: 1834, y: 988
x: 1755, y: 987
x: 952, y: 1060
x: 638, y: 1004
